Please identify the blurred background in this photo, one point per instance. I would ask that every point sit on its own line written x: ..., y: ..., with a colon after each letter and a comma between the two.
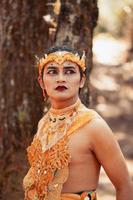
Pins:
x: 104, y: 29
x: 112, y: 78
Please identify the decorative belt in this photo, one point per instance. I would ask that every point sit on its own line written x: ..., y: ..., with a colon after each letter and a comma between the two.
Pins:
x: 90, y: 195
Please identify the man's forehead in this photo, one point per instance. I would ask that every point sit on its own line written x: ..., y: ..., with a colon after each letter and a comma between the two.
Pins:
x: 67, y: 62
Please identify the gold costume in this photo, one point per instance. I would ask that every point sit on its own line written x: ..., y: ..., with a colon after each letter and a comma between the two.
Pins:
x: 49, y: 155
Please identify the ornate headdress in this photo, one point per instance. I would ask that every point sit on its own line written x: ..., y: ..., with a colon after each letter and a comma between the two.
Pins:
x: 61, y: 57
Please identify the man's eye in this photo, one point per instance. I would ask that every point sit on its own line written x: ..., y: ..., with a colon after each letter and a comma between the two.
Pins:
x: 52, y: 71
x: 70, y: 71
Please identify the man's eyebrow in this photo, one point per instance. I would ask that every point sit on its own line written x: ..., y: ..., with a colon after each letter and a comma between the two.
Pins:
x: 69, y: 67
x: 52, y: 67
x: 65, y: 67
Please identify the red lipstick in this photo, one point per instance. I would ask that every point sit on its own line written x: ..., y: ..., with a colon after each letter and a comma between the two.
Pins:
x: 61, y: 88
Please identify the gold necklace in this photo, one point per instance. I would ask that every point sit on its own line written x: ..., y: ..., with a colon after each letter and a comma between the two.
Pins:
x: 59, y: 120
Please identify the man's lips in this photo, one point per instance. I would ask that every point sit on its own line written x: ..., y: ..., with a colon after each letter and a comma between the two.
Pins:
x: 61, y: 88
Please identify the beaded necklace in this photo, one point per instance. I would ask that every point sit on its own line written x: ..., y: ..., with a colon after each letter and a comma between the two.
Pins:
x: 57, y: 122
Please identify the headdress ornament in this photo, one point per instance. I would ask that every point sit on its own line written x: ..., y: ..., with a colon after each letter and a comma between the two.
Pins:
x: 60, y: 57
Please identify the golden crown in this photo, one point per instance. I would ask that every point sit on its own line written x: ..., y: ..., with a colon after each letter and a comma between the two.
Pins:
x: 60, y: 57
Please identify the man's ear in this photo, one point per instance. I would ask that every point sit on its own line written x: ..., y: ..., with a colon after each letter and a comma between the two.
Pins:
x: 41, y: 82
x: 82, y: 81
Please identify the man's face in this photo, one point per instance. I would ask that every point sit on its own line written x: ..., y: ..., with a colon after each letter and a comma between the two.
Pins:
x: 62, y: 81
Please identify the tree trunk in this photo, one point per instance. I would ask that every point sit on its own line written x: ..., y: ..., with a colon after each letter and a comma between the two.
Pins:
x: 76, y: 23
x: 25, y: 31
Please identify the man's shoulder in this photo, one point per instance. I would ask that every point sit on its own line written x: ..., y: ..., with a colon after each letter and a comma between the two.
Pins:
x: 97, y: 125
x: 92, y: 113
x: 94, y: 120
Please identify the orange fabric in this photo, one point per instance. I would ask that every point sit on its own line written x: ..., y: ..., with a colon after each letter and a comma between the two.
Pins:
x: 81, y: 121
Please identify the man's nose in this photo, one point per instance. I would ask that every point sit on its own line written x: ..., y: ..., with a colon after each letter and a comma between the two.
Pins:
x: 61, y: 78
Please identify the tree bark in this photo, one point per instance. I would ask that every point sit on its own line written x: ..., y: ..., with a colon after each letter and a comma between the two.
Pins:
x: 23, y: 34
x: 76, y: 23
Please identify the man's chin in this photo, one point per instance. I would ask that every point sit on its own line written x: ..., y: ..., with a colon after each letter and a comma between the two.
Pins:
x: 61, y: 98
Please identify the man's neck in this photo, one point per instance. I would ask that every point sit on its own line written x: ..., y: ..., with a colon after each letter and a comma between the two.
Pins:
x: 55, y: 104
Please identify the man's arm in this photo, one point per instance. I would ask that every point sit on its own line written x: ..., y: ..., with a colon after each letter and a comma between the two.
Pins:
x: 111, y: 158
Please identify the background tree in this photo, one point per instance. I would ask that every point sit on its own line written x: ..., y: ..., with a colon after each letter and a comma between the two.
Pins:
x: 75, y: 27
x: 27, y: 28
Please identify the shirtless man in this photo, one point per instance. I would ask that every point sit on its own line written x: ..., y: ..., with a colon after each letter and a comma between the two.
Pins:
x: 72, y: 142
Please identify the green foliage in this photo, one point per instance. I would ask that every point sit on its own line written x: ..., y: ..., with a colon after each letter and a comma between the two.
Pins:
x: 21, y: 116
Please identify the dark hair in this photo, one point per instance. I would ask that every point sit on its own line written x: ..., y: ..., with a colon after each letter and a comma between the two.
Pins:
x: 65, y: 48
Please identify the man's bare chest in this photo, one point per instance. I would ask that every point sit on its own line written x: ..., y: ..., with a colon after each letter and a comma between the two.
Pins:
x: 80, y: 146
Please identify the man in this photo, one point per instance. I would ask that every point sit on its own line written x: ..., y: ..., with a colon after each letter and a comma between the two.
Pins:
x: 72, y: 142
